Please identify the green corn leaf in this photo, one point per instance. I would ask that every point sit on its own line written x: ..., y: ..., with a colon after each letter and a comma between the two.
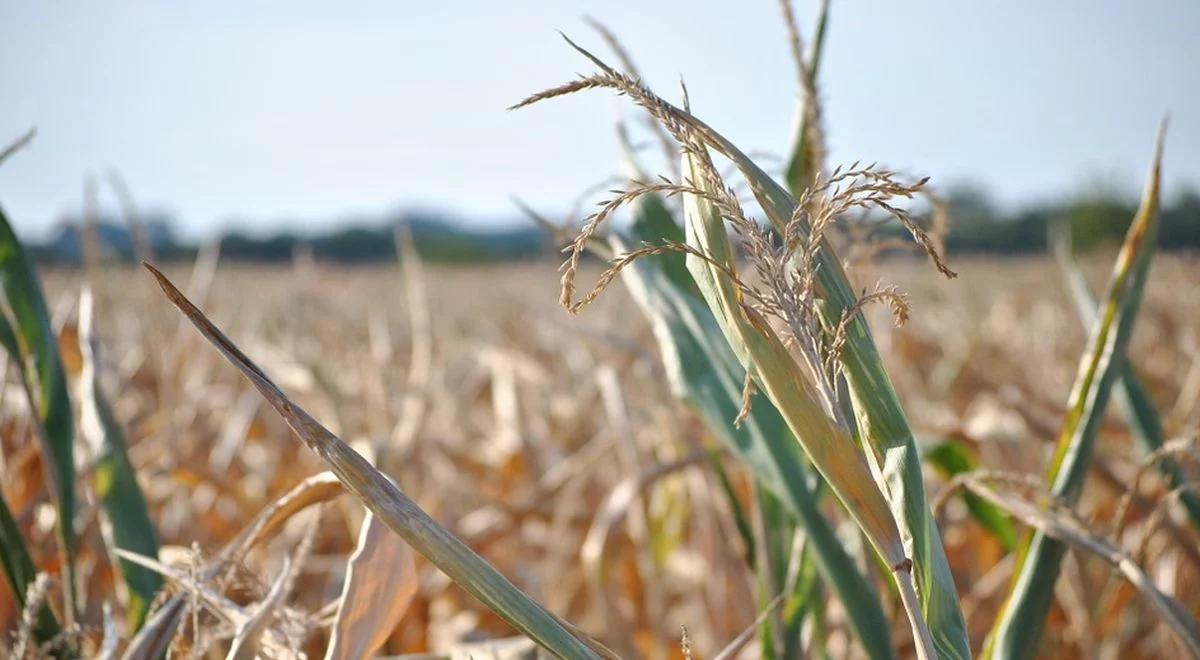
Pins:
x: 1018, y: 628
x: 741, y: 520
x: 1138, y: 408
x: 705, y: 373
x: 114, y: 479
x: 20, y: 573
x: 805, y: 601
x: 775, y: 532
x: 33, y: 346
x: 782, y: 563
x: 951, y: 458
x: 14, y: 555
x: 802, y: 165
x: 7, y: 338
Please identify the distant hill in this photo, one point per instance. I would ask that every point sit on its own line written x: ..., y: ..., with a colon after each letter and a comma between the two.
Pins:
x: 435, y: 238
x: 116, y: 240
x: 978, y: 225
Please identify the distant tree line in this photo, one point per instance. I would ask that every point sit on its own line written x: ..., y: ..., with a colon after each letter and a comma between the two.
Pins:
x: 435, y: 238
x: 978, y: 226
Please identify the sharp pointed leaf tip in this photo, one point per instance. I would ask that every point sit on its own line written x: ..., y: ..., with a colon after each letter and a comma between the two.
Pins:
x: 163, y: 283
x: 588, y: 54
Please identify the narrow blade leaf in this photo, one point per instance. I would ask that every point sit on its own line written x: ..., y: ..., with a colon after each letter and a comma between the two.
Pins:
x: 804, y: 162
x: 114, y: 479
x: 27, y: 329
x: 20, y: 572
x: 1019, y: 625
x: 952, y: 458
x: 1138, y: 408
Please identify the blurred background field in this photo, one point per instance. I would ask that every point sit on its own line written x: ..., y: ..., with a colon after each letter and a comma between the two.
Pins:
x: 532, y: 418
x: 730, y: 454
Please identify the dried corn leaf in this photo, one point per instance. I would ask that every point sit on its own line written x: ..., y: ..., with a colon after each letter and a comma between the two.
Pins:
x: 381, y: 580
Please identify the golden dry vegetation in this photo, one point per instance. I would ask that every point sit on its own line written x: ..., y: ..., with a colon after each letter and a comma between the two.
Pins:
x: 733, y: 453
x: 552, y: 445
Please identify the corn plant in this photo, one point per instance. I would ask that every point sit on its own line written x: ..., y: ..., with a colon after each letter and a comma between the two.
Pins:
x: 705, y: 372
x: 826, y: 380
x: 804, y: 395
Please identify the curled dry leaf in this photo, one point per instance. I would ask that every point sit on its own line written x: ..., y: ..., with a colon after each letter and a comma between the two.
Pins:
x: 250, y: 633
x: 155, y: 637
x: 216, y: 603
x: 381, y: 580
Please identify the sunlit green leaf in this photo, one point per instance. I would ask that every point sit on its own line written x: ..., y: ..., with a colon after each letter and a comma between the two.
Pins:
x: 1018, y: 629
x: 34, y: 347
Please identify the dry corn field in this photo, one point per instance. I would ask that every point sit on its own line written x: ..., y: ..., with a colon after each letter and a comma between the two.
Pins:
x: 552, y: 445
x: 762, y: 413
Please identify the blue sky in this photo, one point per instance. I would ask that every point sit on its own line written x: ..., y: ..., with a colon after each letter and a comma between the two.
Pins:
x: 298, y: 114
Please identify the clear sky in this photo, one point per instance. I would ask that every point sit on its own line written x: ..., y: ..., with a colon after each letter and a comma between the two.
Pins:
x: 298, y: 114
